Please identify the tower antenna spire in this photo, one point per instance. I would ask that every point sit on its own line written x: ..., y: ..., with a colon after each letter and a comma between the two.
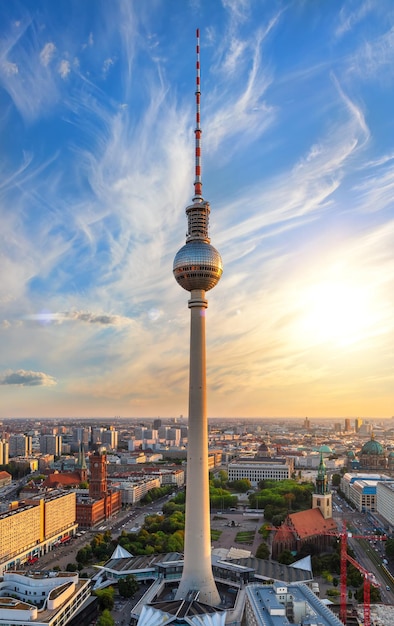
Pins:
x: 198, y: 131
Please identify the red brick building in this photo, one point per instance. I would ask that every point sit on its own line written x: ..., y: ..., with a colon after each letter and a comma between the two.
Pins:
x: 305, y: 527
x: 102, y: 503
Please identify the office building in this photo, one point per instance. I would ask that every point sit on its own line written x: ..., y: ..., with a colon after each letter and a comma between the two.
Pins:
x: 358, y: 422
x: 385, y: 502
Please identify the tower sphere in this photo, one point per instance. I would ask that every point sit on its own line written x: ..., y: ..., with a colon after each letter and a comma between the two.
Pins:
x: 197, y: 265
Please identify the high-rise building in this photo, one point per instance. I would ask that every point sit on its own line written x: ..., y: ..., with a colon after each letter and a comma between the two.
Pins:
x: 81, y: 435
x: 20, y: 445
x: 358, y: 422
x: 197, y: 268
x: 51, y: 444
x: 348, y: 427
x: 109, y: 438
x: 97, y: 432
x: 4, y: 452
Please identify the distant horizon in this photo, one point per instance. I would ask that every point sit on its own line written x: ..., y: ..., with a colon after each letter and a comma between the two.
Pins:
x: 183, y: 417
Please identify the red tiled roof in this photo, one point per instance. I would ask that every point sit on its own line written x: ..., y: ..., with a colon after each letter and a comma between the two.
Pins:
x: 284, y: 533
x: 68, y: 478
x: 4, y: 475
x: 310, y: 523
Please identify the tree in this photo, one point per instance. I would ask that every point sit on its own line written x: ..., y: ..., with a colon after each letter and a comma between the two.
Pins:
x: 105, y: 598
x: 71, y: 567
x: 278, y: 519
x: 84, y: 555
x: 263, y: 551
x: 265, y: 530
x: 374, y: 594
x: 105, y: 619
x: 242, y: 485
x: 336, y: 480
x: 389, y: 548
x: 223, y: 476
x: 289, y: 497
x: 286, y: 557
x: 128, y: 586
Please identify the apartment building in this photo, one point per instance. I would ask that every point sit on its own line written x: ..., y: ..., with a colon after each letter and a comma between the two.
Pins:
x: 32, y: 529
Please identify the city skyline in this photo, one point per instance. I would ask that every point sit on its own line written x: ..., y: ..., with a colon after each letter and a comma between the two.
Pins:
x: 97, y: 160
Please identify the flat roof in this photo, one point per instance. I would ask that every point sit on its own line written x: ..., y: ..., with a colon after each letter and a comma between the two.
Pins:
x: 266, y: 597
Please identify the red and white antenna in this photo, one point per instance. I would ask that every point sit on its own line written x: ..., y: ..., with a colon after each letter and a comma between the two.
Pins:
x: 198, y: 131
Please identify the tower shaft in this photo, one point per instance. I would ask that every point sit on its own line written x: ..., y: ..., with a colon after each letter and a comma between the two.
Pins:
x: 197, y: 570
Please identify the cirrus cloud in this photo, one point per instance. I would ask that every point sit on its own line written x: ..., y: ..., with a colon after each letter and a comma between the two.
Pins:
x: 47, y: 53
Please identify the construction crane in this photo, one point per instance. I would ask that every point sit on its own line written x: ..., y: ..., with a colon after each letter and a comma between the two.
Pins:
x: 369, y: 579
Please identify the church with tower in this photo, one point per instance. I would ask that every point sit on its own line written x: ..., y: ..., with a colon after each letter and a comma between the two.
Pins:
x: 314, y: 527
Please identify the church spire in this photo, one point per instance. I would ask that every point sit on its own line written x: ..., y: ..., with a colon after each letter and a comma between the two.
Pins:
x: 321, y: 479
x: 82, y: 467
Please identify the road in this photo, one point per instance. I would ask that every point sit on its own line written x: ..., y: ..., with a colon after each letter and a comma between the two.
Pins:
x: 368, y: 552
x: 64, y: 554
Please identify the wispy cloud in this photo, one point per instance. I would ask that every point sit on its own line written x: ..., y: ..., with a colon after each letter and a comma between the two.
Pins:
x: 47, y: 53
x: 239, y: 10
x: 374, y: 57
x: 64, y: 68
x: 107, y: 66
x: 351, y: 14
x: 9, y: 69
x: 81, y: 316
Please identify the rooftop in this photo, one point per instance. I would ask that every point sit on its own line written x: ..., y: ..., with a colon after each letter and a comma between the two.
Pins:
x: 270, y: 600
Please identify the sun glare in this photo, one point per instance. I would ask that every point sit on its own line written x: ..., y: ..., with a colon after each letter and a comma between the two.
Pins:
x: 336, y: 312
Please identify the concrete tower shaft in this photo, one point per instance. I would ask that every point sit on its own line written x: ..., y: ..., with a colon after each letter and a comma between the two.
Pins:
x: 197, y: 570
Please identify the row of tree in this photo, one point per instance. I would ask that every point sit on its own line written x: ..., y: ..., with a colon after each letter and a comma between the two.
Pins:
x: 17, y: 470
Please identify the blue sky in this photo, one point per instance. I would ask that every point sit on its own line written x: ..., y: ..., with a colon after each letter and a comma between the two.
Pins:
x: 97, y: 113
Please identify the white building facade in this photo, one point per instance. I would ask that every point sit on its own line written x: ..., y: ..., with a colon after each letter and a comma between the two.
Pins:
x: 255, y: 471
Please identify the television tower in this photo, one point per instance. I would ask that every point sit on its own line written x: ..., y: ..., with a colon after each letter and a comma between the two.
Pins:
x: 197, y: 268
